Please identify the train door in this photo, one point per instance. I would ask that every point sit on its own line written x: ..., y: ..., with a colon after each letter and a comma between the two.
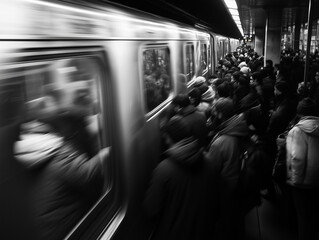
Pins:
x: 204, y: 59
x: 189, y: 61
x: 31, y: 89
x: 157, y: 86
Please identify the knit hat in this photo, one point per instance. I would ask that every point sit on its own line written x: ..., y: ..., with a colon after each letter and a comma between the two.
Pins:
x: 282, y: 86
x: 177, y: 129
x: 307, y: 107
x: 199, y: 81
x: 245, y: 70
x: 225, y: 106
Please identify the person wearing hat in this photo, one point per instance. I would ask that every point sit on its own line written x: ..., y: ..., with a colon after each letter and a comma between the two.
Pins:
x: 196, y: 120
x: 200, y: 80
x: 180, y: 197
x: 224, y: 156
x: 245, y: 70
x: 242, y: 64
x: 303, y: 168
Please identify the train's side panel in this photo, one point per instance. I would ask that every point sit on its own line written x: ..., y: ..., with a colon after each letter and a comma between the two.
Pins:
x: 118, y: 46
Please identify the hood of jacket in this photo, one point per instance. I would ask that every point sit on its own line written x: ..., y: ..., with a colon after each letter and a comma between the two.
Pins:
x: 309, y: 125
x: 235, y: 126
x: 186, y: 152
x: 36, y: 144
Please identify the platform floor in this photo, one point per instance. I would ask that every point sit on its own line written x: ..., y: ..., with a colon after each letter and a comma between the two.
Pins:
x: 272, y: 220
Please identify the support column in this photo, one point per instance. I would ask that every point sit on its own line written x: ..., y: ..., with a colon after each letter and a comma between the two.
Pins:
x: 273, y: 35
x: 297, y: 31
x: 259, y: 40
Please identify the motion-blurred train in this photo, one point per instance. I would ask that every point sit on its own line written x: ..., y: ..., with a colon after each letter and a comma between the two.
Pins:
x: 131, y: 63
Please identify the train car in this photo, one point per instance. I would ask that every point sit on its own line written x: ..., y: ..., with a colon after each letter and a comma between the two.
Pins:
x: 225, y: 45
x: 125, y: 66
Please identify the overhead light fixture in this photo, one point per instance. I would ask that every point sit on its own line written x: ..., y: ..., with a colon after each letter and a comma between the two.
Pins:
x: 233, y: 11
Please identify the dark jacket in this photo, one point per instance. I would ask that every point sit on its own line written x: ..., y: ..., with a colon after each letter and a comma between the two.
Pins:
x: 180, y: 195
x: 66, y: 181
x: 197, y: 122
x: 224, y: 157
x: 278, y: 123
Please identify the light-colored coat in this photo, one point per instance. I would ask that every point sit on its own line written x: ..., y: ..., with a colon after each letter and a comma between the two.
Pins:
x: 303, y: 153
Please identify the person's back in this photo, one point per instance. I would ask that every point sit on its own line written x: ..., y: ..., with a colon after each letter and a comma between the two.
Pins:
x: 195, y: 120
x: 224, y: 156
x: 180, y: 195
x: 303, y: 168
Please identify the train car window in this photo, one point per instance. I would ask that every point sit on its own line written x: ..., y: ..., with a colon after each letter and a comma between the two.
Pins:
x: 203, y: 57
x: 157, y: 76
x: 62, y: 141
x: 189, y: 64
x: 220, y: 50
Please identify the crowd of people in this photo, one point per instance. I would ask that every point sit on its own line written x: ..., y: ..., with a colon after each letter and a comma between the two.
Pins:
x: 205, y: 186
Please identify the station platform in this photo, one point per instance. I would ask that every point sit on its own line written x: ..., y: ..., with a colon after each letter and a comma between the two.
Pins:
x: 272, y: 220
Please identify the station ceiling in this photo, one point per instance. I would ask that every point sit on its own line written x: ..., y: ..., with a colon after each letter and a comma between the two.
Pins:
x: 214, y: 14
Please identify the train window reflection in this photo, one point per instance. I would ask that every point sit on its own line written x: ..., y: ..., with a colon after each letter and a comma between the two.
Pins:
x: 157, y: 78
x: 204, y: 56
x: 60, y: 141
x: 189, y: 65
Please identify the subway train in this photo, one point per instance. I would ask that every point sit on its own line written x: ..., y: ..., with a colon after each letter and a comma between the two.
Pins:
x: 124, y: 66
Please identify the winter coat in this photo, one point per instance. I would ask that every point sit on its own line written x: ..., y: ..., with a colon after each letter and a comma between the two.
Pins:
x: 66, y: 182
x: 278, y: 124
x: 302, y: 153
x: 180, y: 196
x: 224, y: 157
x: 197, y: 122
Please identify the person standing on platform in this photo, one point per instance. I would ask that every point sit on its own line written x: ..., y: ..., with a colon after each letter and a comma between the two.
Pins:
x: 303, y: 169
x: 180, y: 197
x: 224, y: 156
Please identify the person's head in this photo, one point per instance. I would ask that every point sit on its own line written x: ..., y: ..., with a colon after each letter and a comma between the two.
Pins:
x: 257, y: 77
x: 242, y: 64
x: 245, y: 70
x: 211, y: 79
x: 195, y: 96
x: 236, y: 75
x: 281, y: 88
x: 181, y: 100
x: 199, y: 81
x: 176, y: 129
x: 269, y: 63
x: 223, y: 109
x: 226, y: 65
x: 181, y: 83
x: 307, y: 107
x: 224, y: 89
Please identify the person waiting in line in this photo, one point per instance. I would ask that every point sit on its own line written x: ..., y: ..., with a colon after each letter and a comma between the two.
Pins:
x: 195, y: 119
x: 54, y: 144
x: 278, y: 122
x: 303, y: 169
x: 224, y: 156
x: 180, y: 198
